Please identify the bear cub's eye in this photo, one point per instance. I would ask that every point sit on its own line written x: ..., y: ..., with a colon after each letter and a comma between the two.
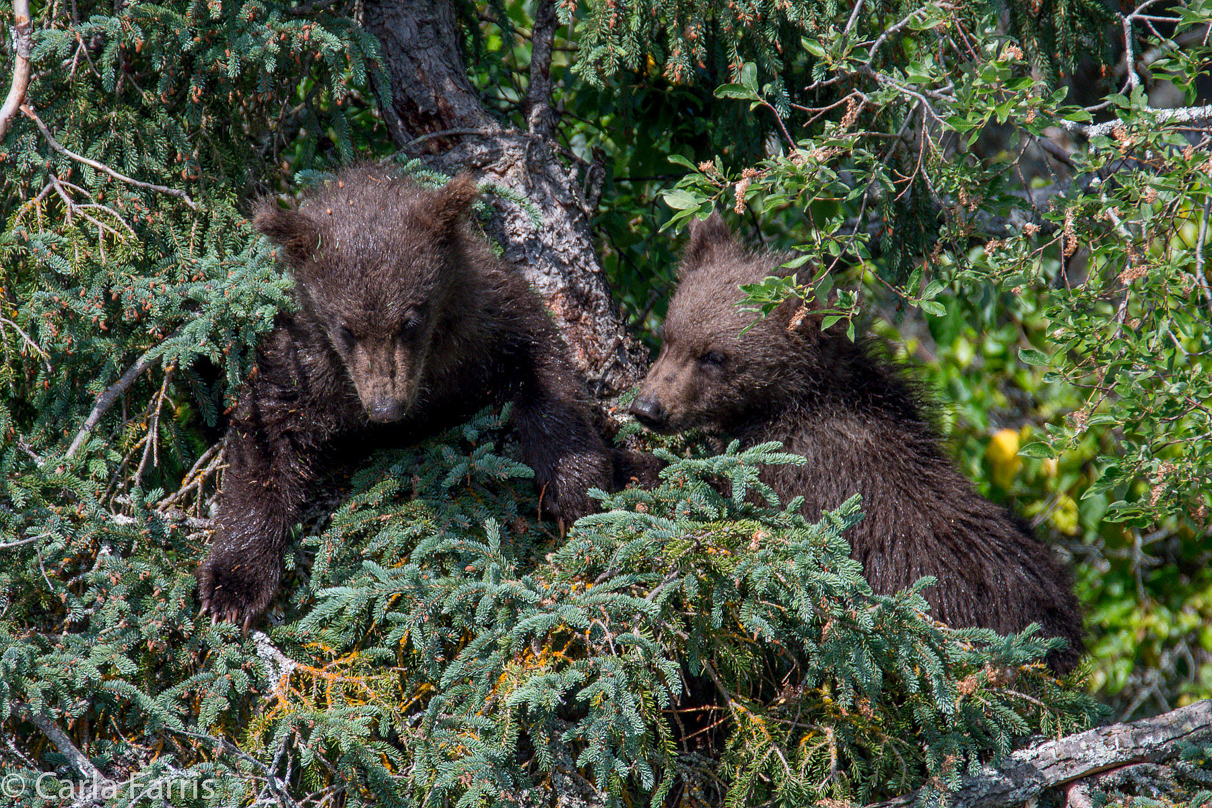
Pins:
x: 411, y: 325
x: 713, y: 358
x: 347, y: 338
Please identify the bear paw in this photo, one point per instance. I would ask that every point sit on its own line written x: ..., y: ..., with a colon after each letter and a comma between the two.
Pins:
x: 236, y: 590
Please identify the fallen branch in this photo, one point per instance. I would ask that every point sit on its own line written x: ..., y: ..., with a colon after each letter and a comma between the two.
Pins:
x: 1027, y: 772
x: 23, y: 43
x: 59, y: 147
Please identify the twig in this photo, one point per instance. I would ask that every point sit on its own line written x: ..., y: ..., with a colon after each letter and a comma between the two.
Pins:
x: 446, y: 132
x: 23, y: 42
x: 151, y: 449
x: 59, y: 147
x: 109, y: 397
x: 895, y: 28
x: 1055, y: 151
x: 63, y: 186
x: 203, y: 467
x: 275, y: 784
x: 4, y: 321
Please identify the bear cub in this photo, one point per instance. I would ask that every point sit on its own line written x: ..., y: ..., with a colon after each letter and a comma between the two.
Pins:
x: 406, y: 324
x: 863, y: 429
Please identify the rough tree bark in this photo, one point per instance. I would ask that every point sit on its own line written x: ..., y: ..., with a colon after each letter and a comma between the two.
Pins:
x: 436, y: 113
x: 1027, y: 772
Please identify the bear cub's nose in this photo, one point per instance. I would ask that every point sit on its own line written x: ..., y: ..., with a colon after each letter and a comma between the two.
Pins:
x: 648, y: 411
x: 385, y: 411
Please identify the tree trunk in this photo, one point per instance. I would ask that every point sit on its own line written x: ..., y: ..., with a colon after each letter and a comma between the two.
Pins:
x: 435, y: 113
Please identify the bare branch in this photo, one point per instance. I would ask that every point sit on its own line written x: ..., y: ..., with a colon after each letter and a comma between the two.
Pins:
x: 1129, y: 53
x: 540, y: 119
x: 279, y: 664
x: 854, y: 15
x: 63, y: 743
x: 448, y: 132
x: 1027, y: 772
x: 1176, y: 115
x: 204, y: 467
x: 898, y: 26
x: 109, y: 397
x: 57, y: 146
x: 23, y: 43
x: 1200, y: 277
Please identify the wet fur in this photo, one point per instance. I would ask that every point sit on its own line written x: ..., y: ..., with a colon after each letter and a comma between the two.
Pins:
x: 406, y: 325
x: 863, y: 429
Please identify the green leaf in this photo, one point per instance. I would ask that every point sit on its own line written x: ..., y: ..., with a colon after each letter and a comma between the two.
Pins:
x: 814, y: 47
x: 679, y: 160
x: 933, y: 289
x: 1037, y: 450
x: 749, y: 77
x: 735, y: 91
x: 1030, y: 356
x: 680, y: 200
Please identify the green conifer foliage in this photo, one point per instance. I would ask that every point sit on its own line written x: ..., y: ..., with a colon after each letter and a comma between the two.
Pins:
x: 449, y: 649
x: 438, y: 645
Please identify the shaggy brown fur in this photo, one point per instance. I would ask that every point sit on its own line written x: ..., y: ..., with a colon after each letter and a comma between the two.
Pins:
x: 407, y: 324
x: 863, y: 430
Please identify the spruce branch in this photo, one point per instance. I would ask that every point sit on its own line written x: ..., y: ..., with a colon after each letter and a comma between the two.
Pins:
x: 22, y: 46
x: 59, y: 147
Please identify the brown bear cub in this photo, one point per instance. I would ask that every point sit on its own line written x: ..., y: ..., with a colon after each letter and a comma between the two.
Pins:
x: 406, y: 324
x: 863, y: 430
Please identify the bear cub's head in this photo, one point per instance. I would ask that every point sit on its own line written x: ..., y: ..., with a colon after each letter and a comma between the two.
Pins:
x: 709, y: 374
x: 375, y: 259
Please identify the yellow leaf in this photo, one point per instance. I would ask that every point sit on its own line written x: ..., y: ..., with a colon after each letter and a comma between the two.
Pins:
x: 1002, y: 454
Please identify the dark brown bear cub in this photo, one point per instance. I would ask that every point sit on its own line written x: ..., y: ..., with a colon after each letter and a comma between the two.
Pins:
x: 405, y: 322
x: 863, y: 430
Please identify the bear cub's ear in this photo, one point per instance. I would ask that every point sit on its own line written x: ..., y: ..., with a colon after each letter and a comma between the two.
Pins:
x: 449, y: 202
x: 296, y: 233
x: 706, y: 236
